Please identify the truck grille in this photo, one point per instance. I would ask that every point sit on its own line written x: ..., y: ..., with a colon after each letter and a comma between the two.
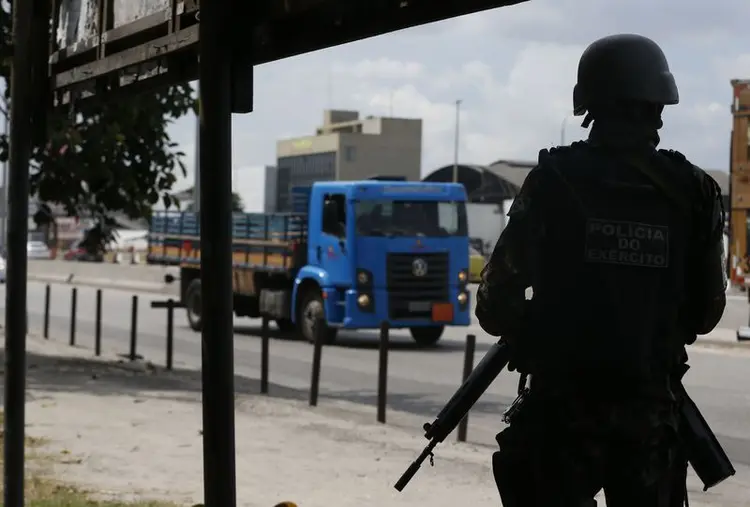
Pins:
x: 409, y: 295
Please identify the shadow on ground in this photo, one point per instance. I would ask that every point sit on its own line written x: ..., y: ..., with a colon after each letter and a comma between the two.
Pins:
x: 63, y: 373
x: 369, y: 340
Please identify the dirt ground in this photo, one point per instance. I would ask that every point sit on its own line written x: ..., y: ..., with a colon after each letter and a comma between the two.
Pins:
x: 131, y: 431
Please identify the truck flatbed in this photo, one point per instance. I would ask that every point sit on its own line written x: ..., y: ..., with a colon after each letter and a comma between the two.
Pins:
x: 261, y: 241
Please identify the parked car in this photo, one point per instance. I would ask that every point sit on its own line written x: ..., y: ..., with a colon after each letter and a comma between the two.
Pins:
x: 476, y: 264
x: 37, y: 250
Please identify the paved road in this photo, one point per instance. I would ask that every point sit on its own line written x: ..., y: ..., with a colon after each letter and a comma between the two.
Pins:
x: 420, y: 381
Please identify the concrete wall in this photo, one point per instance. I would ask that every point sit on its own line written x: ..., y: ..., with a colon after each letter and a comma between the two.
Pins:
x: 396, y: 150
x: 364, y: 147
x: 307, y: 145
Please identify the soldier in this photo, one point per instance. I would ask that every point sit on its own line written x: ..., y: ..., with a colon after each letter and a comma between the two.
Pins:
x: 622, y: 246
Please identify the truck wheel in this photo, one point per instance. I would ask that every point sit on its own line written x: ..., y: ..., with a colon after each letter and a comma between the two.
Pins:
x: 312, y: 309
x: 193, y: 305
x: 285, y: 325
x: 426, y: 336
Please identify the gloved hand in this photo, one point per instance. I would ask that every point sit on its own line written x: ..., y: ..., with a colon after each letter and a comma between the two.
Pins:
x: 518, y: 361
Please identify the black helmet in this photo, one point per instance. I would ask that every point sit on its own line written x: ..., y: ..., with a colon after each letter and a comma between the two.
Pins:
x: 623, y: 67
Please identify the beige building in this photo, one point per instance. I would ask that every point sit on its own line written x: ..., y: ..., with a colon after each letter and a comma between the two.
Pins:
x: 347, y: 147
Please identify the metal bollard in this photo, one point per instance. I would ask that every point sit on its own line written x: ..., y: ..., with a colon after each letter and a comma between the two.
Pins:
x: 98, y: 324
x: 383, y: 370
x: 264, y: 342
x: 133, y: 328
x: 47, y: 296
x: 73, y: 315
x: 170, y: 333
x: 471, y: 345
x: 317, y: 353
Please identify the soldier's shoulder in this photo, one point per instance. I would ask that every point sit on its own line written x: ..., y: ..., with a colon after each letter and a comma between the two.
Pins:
x: 708, y: 185
x: 563, y: 152
x: 680, y: 161
x: 561, y: 159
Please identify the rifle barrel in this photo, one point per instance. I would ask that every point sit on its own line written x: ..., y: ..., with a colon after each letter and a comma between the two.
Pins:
x: 414, y: 467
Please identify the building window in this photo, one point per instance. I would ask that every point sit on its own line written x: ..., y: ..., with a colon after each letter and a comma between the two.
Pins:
x: 350, y: 153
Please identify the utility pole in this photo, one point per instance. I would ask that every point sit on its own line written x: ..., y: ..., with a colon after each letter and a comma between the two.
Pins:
x: 197, y: 164
x: 20, y: 141
x: 455, y: 145
x: 4, y: 223
x: 215, y: 184
x: 562, y: 130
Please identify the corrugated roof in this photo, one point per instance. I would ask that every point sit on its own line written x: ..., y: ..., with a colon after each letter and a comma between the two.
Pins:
x: 512, y: 171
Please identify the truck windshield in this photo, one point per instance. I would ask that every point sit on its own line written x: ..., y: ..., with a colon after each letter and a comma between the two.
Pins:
x: 411, y: 218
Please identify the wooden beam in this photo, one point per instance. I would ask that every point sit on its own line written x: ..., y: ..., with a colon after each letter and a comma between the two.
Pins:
x: 163, y: 46
x: 277, y: 29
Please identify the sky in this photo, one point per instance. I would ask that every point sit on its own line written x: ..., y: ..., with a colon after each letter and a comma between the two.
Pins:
x: 513, y: 69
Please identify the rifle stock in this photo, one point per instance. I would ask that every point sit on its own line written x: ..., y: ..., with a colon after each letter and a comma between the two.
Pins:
x: 705, y: 453
x: 459, y: 405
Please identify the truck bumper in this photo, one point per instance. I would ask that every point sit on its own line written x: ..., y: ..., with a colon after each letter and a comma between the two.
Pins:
x: 350, y: 316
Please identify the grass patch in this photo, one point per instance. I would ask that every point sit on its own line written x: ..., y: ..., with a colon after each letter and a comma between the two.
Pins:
x: 42, y: 491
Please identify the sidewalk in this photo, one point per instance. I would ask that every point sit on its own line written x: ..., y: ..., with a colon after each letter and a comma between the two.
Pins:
x: 722, y: 337
x: 133, y: 432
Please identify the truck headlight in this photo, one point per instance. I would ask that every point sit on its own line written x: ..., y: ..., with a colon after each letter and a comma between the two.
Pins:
x: 363, y: 300
x: 463, y: 298
x: 364, y: 278
x: 463, y: 276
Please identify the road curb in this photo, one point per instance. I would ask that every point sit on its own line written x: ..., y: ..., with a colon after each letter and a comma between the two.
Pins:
x: 713, y: 343
x: 73, y: 281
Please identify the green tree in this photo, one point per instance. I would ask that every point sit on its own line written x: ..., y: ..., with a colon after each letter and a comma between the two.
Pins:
x: 238, y: 206
x: 110, y: 155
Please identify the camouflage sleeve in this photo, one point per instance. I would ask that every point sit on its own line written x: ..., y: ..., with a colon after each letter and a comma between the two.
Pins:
x: 501, y: 297
x: 708, y: 298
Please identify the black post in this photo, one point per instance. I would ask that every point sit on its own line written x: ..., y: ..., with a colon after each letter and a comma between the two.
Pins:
x: 17, y: 262
x: 383, y: 371
x: 133, y: 328
x: 264, y: 339
x: 471, y: 345
x: 319, y: 332
x: 73, y: 315
x: 215, y: 159
x: 47, y: 297
x: 98, y: 324
x: 170, y: 332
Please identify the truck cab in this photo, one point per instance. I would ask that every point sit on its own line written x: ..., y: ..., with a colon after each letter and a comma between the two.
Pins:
x: 385, y: 251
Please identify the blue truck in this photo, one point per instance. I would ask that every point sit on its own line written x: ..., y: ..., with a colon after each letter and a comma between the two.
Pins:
x: 354, y: 253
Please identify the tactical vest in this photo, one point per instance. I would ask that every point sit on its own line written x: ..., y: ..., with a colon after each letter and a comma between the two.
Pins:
x: 610, y: 269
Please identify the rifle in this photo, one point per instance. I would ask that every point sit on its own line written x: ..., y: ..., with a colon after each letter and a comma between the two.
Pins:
x: 459, y: 405
x: 704, y: 452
